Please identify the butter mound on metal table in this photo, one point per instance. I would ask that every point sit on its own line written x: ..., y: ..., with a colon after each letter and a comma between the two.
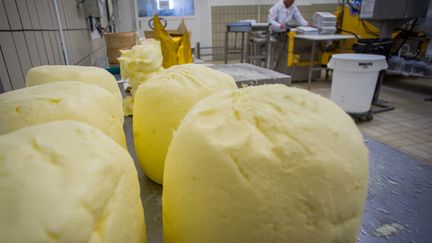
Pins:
x: 92, y: 75
x: 161, y: 103
x: 64, y: 100
x: 66, y: 181
x: 265, y: 164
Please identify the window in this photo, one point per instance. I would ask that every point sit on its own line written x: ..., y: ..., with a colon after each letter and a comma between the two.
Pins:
x: 148, y: 8
x: 165, y: 4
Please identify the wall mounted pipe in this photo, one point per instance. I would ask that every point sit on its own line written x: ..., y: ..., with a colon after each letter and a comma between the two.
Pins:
x: 63, y: 43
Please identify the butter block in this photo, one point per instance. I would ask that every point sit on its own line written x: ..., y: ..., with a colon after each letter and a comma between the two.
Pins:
x: 66, y: 181
x: 265, y: 164
x: 63, y: 100
x: 161, y: 103
x: 139, y: 64
x: 92, y: 75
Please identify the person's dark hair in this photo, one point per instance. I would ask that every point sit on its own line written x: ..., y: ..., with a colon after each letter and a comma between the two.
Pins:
x: 288, y: 3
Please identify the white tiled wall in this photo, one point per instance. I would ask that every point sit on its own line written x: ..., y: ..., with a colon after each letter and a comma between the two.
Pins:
x: 29, y: 37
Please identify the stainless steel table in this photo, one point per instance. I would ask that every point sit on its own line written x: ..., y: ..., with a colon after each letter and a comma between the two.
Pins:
x: 400, y: 191
x: 246, y: 74
x: 245, y: 28
x: 316, y: 39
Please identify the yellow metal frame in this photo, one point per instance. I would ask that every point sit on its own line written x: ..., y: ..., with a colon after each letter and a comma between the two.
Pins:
x: 293, y: 58
x: 350, y: 23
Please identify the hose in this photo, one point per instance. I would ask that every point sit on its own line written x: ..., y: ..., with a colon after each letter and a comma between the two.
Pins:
x: 406, y: 37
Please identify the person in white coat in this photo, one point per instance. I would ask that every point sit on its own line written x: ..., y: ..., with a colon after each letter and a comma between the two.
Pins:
x: 281, y: 16
x: 283, y: 13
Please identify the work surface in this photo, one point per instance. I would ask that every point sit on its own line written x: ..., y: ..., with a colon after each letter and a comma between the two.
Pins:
x: 250, y: 75
x: 325, y: 37
x: 400, y: 191
x: 244, y: 74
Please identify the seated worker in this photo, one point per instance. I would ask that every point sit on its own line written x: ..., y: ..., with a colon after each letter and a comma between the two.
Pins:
x: 281, y: 15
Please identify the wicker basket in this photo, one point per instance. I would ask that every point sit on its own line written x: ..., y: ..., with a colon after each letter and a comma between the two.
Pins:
x: 119, y: 41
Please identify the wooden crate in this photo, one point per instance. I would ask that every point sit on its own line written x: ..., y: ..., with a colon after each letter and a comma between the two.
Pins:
x: 119, y: 41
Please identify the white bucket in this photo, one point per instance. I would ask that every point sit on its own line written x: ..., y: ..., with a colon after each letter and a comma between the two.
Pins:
x: 354, y: 80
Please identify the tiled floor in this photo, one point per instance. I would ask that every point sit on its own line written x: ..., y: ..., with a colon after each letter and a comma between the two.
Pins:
x: 407, y: 128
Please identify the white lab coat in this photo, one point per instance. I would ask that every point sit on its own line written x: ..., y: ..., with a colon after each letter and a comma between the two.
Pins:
x: 280, y: 14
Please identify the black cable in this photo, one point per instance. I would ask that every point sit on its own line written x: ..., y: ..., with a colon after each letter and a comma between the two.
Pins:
x: 341, y: 20
x: 418, y: 49
x: 367, y: 29
x: 406, y: 37
x: 349, y: 32
x: 341, y: 17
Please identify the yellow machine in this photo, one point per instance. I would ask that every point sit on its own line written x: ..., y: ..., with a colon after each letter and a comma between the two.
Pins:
x: 351, y: 24
x: 347, y: 23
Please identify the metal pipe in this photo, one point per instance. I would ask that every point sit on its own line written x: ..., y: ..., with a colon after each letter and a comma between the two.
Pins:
x: 198, y: 50
x: 63, y: 43
x: 311, y: 65
x: 268, y: 49
x: 242, y: 46
x: 226, y: 45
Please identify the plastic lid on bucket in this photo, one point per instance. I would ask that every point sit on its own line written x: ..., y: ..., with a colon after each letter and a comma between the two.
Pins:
x: 358, y: 62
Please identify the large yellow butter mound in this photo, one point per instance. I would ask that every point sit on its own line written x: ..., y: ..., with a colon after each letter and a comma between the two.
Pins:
x: 66, y: 181
x: 93, y: 75
x: 162, y: 102
x: 65, y: 100
x: 265, y: 164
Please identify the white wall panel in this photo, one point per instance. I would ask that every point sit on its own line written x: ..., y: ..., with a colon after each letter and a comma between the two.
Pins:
x: 22, y: 51
x: 12, y: 14
x: 24, y: 14
x: 4, y: 22
x: 35, y: 39
x: 4, y: 75
x: 41, y: 47
x: 32, y: 48
x: 12, y: 61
